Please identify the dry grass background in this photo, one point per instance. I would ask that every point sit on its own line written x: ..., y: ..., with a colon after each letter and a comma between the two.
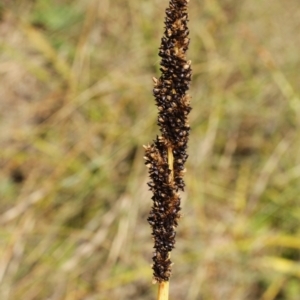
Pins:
x: 76, y: 107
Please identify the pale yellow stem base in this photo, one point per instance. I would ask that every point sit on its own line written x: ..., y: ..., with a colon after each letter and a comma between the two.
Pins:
x: 163, y: 291
x: 171, y: 163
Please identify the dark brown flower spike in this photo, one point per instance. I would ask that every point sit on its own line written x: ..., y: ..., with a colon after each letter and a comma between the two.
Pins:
x: 165, y: 158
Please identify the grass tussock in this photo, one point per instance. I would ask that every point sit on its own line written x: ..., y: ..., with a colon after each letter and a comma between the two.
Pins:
x: 75, y: 107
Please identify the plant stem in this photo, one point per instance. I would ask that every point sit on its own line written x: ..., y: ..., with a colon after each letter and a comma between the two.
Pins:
x: 163, y: 290
x: 171, y: 163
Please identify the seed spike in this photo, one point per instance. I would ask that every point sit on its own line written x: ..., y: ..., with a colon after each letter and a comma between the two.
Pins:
x: 166, y: 156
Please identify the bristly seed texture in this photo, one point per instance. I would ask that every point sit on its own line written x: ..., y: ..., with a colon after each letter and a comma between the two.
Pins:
x: 173, y: 106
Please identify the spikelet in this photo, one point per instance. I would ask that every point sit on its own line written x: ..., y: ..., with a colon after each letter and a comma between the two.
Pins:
x: 165, y: 158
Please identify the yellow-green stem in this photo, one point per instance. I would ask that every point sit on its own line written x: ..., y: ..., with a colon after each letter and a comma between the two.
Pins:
x: 163, y: 291
x: 171, y: 163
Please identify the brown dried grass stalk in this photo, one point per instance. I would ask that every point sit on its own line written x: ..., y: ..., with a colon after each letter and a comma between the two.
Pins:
x: 167, y: 155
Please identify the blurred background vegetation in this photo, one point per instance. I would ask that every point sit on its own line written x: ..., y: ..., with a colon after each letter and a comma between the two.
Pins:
x: 76, y: 106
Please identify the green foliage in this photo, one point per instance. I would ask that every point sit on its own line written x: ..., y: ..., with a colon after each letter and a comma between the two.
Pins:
x: 54, y: 15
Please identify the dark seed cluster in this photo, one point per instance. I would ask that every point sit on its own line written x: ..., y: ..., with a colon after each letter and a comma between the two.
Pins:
x: 174, y: 106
